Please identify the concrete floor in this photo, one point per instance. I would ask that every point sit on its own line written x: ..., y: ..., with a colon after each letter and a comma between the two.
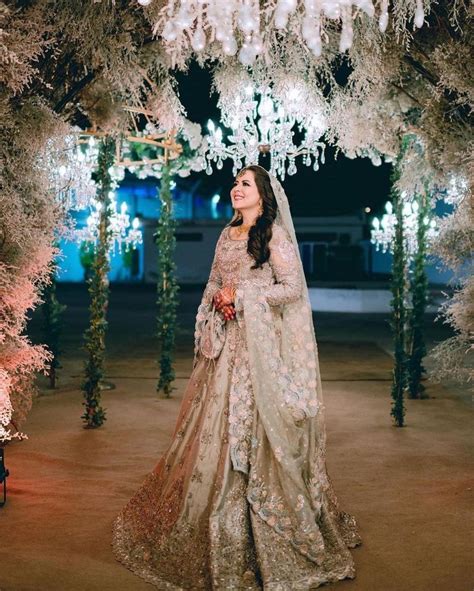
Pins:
x: 410, y: 489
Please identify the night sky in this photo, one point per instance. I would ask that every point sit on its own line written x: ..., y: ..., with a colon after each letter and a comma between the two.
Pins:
x: 341, y: 186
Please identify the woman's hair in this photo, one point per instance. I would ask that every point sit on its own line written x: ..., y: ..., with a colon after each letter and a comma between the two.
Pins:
x: 260, y: 233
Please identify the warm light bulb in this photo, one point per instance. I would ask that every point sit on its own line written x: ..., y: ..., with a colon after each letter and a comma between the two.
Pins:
x: 246, y: 21
x: 229, y: 46
x: 294, y: 93
x: 287, y: 5
x: 257, y: 45
x: 419, y: 14
x: 383, y: 21
x: 265, y: 108
x: 169, y: 31
x: 198, y: 40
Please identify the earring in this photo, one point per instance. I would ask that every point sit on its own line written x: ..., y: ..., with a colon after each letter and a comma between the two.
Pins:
x: 260, y: 210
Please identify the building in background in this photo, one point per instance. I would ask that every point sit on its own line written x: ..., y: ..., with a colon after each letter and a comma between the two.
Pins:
x: 333, y: 248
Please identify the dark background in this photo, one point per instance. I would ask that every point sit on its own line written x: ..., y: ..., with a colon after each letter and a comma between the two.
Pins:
x: 340, y: 186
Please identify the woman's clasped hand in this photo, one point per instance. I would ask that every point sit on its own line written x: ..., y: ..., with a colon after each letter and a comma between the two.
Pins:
x: 224, y: 301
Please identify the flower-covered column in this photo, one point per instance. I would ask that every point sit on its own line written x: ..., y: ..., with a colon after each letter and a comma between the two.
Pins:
x: 419, y: 285
x: 398, y: 288
x: 94, y: 414
x: 52, y: 325
x: 167, y: 287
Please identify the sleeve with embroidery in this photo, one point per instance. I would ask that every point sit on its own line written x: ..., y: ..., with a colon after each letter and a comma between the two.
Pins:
x: 284, y: 263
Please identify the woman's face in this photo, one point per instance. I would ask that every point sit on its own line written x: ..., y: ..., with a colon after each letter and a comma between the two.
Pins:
x: 244, y: 193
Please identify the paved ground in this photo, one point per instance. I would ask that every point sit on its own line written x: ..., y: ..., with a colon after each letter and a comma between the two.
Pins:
x: 409, y: 488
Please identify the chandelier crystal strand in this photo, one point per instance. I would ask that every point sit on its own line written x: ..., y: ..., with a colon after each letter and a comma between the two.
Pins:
x: 263, y: 117
x: 121, y: 231
x: 383, y: 231
x: 70, y: 168
x: 247, y: 27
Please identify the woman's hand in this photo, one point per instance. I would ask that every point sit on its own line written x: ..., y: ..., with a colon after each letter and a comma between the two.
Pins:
x: 224, y: 297
x: 224, y: 301
x: 228, y: 312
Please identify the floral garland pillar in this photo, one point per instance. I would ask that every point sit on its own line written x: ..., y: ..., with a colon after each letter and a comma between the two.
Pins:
x: 398, y: 288
x: 94, y: 414
x: 419, y: 286
x: 167, y: 287
x: 52, y: 326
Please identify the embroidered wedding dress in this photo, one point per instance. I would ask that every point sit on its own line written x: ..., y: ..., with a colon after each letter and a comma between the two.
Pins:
x: 241, y: 498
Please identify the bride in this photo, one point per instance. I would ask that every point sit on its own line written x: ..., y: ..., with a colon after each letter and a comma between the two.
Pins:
x: 241, y: 498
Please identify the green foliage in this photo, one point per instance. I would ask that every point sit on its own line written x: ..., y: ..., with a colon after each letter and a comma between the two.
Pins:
x: 127, y: 258
x: 52, y: 327
x: 397, y: 286
x: 86, y: 257
x: 419, y: 288
x: 167, y: 287
x: 94, y: 414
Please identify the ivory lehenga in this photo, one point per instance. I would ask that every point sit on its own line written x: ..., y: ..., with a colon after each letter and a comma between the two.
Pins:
x: 241, y: 498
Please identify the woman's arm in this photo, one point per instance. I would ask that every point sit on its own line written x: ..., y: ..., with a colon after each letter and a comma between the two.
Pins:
x: 285, y: 265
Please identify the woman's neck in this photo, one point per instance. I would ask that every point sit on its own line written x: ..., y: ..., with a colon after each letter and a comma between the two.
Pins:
x: 249, y: 217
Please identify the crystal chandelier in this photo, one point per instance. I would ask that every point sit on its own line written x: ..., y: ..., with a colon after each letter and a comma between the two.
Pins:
x: 246, y: 27
x: 456, y: 190
x: 70, y: 167
x: 120, y: 231
x: 265, y: 122
x: 383, y: 232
